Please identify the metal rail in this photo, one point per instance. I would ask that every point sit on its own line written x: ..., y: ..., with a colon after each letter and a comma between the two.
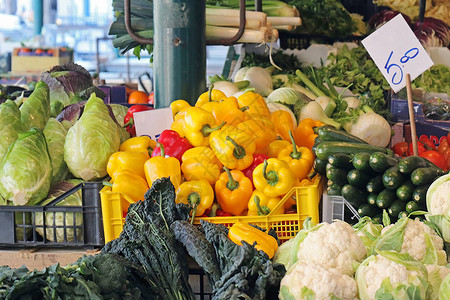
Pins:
x: 134, y: 36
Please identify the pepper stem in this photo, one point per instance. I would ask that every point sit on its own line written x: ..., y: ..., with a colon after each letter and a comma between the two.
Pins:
x: 244, y: 108
x: 262, y: 210
x: 206, y: 129
x: 129, y: 123
x: 294, y: 154
x: 239, y: 151
x: 231, y: 184
x: 194, y: 201
x: 106, y: 183
x: 210, y: 92
x: 161, y: 146
x: 271, y: 176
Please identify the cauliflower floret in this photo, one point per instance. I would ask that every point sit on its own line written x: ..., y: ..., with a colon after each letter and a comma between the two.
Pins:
x: 333, y: 245
x: 414, y: 239
x: 440, y: 205
x: 380, y: 268
x: 322, y: 280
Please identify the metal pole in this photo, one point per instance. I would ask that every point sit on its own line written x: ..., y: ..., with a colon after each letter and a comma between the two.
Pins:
x: 179, y: 53
x: 38, y: 12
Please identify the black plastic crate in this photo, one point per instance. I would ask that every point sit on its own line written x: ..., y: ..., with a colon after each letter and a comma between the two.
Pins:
x: 20, y: 229
x: 290, y: 40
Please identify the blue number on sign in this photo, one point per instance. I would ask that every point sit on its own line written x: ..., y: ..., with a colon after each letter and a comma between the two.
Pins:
x: 407, y: 55
x: 388, y: 68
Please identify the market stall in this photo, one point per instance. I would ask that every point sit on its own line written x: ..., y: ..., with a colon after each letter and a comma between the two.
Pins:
x: 296, y: 174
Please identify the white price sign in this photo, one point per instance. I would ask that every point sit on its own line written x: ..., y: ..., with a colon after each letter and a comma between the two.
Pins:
x: 396, y: 51
x: 153, y: 122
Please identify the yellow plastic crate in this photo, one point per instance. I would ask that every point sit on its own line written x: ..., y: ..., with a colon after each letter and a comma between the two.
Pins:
x: 286, y: 225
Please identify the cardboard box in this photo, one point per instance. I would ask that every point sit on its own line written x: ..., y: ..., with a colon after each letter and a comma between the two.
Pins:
x: 39, y: 60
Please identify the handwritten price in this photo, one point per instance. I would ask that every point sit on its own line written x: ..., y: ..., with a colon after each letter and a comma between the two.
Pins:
x: 397, y: 75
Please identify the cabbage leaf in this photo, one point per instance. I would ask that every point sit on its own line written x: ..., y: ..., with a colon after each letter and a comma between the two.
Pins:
x: 10, y: 125
x: 55, y: 135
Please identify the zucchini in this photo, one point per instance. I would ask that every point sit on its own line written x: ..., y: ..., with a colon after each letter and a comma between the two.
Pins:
x: 341, y: 160
x: 385, y: 198
x: 353, y: 195
x: 412, y: 206
x: 319, y: 166
x: 392, y: 178
x: 329, y: 133
x: 375, y: 185
x: 368, y: 210
x: 326, y: 148
x: 334, y: 190
x: 410, y: 163
x: 317, y: 141
x: 402, y: 214
x: 419, y: 194
x: 336, y: 175
x: 358, y: 178
x: 423, y: 176
x: 372, y: 199
x: 361, y: 161
x: 380, y: 161
x: 378, y: 219
x: 396, y: 207
x: 405, y: 191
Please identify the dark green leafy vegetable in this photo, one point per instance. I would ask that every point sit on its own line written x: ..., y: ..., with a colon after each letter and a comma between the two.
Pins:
x: 148, y: 241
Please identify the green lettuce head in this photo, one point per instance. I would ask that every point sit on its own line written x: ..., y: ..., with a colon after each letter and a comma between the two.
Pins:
x: 391, y: 275
x: 61, y: 218
x: 91, y: 141
x: 55, y: 135
x: 26, y: 169
x: 10, y: 125
x: 35, y: 111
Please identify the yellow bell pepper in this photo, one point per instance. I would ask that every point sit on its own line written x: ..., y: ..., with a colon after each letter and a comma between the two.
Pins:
x: 233, y: 190
x: 275, y: 147
x: 304, y: 182
x: 283, y: 123
x: 178, y: 106
x: 196, y: 193
x: 211, y: 95
x: 129, y: 160
x: 300, y: 159
x: 130, y: 184
x: 228, y: 111
x: 304, y: 133
x: 201, y: 163
x: 161, y: 166
x: 262, y: 130
x: 261, y: 205
x: 257, y: 107
x: 244, y: 232
x: 274, y: 177
x: 198, y: 125
x: 139, y: 143
x: 233, y: 147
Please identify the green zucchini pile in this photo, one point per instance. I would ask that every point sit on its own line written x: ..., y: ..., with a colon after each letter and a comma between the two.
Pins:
x: 370, y: 178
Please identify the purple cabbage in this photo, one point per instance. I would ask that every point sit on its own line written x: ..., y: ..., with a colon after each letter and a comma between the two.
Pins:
x: 382, y: 17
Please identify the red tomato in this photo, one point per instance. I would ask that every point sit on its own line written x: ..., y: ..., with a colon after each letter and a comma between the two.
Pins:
x: 435, y: 157
x: 427, y: 142
x: 446, y: 155
x: 401, y: 149
x: 420, y: 148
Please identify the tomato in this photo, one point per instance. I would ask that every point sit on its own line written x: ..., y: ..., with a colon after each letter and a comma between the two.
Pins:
x: 435, y: 157
x: 420, y: 148
x: 39, y: 51
x: 429, y: 145
x: 138, y: 97
x: 401, y: 149
x: 446, y: 155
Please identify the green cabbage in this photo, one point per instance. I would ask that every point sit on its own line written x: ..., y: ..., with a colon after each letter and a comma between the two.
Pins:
x: 119, y: 112
x: 391, y: 275
x: 61, y: 218
x: 26, y: 169
x: 91, y: 141
x: 35, y: 111
x: 55, y: 135
x: 10, y: 125
x: 438, y: 205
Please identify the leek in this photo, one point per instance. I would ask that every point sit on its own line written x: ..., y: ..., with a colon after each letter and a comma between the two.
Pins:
x: 260, y: 36
x: 253, y: 15
x: 231, y: 21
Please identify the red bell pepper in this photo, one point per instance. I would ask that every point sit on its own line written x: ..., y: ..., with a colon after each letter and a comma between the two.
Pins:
x: 257, y: 159
x: 401, y: 149
x: 174, y: 144
x: 429, y: 145
x: 128, y: 119
x: 435, y: 157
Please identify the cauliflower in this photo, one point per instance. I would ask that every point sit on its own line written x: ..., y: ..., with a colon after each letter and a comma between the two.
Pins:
x: 417, y: 239
x: 306, y: 279
x: 391, y: 273
x: 333, y: 245
x: 436, y: 274
x: 438, y: 205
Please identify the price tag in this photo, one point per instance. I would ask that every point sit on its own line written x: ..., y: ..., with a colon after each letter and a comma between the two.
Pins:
x: 396, y: 51
x: 153, y: 122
